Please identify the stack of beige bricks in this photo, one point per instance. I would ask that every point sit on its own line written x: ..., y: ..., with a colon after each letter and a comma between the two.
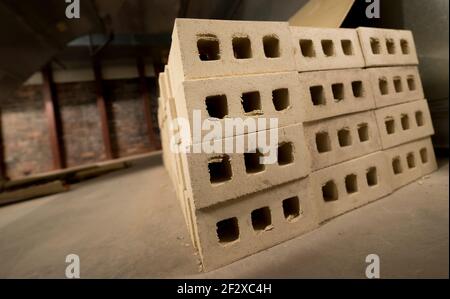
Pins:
x: 353, y: 126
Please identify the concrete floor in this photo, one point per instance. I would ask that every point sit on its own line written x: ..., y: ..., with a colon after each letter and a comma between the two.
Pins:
x: 128, y: 224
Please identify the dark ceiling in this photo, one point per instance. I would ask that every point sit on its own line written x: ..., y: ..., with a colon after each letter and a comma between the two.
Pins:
x: 36, y: 31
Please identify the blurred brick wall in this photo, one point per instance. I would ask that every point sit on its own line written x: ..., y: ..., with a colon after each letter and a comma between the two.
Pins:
x: 126, y: 117
x: 25, y: 133
x: 81, y: 126
x: 25, y: 129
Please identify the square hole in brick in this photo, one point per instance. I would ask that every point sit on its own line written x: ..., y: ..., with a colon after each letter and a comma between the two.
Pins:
x: 217, y: 106
x: 280, y: 99
x: 351, y: 183
x: 242, y: 48
x: 397, y: 165
x: 344, y: 137
x: 390, y: 46
x: 375, y: 45
x: 251, y: 102
x: 389, y: 122
x: 317, y: 95
x: 327, y: 47
x: 372, y: 176
x: 285, y: 153
x: 291, y: 208
x: 261, y: 219
x: 329, y: 191
x: 405, y: 46
x: 220, y: 169
x: 307, y: 48
x: 404, y: 119
x: 252, y: 163
x: 271, y: 45
x: 398, y: 86
x: 419, y: 118
x: 411, y: 160
x: 208, y: 47
x: 383, y: 85
x: 358, y: 89
x: 227, y: 230
x: 363, y: 132
x: 323, y: 143
x: 338, y: 91
x: 411, y: 83
x: 423, y: 155
x: 347, y: 47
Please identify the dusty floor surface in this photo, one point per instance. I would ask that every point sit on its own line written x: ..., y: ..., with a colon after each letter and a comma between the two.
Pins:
x: 128, y: 224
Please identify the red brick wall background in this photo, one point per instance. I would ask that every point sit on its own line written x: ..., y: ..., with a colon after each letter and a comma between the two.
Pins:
x: 25, y: 129
x: 127, y: 119
x: 25, y: 133
x: 81, y: 127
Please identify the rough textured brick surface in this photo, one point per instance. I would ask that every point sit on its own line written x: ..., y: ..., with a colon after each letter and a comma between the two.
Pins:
x: 166, y: 79
x: 395, y: 85
x: 326, y: 48
x: 209, y: 48
x: 411, y: 161
x: 331, y: 93
x: 387, y: 46
x: 215, y: 178
x: 342, y: 138
x: 163, y: 90
x: 230, y: 232
x: 174, y: 165
x: 403, y: 123
x: 248, y: 97
x: 233, y: 205
x: 346, y: 186
x: 172, y: 162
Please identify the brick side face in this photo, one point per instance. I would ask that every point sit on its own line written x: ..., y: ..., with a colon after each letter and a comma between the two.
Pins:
x: 25, y: 133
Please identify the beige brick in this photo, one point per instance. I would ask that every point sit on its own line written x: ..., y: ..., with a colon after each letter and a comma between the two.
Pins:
x: 326, y: 48
x: 411, y: 161
x: 331, y: 93
x: 342, y: 138
x: 403, y: 123
x: 169, y: 159
x: 163, y: 92
x: 174, y: 165
x: 161, y: 113
x: 395, y: 85
x: 253, y: 223
x: 216, y: 177
x: 167, y: 83
x: 346, y: 186
x: 211, y: 48
x: 245, y: 97
x: 387, y: 46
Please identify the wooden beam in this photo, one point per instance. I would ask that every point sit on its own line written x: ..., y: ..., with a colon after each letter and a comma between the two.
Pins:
x: 321, y: 13
x: 154, y: 143
x: 101, y: 105
x: 3, y: 175
x: 33, y: 192
x: 53, y: 119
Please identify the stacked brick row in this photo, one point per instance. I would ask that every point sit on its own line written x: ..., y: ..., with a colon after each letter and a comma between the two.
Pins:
x: 333, y: 151
x: 402, y: 113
